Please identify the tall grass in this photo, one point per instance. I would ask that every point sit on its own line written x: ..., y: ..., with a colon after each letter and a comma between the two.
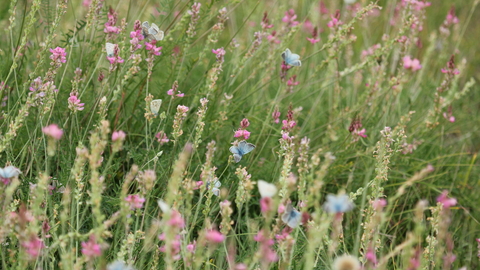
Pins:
x: 130, y: 155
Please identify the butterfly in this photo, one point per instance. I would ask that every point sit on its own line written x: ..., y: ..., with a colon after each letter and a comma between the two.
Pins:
x: 215, y: 188
x: 110, y: 47
x: 291, y: 217
x: 9, y: 172
x: 291, y: 58
x: 151, y: 32
x: 338, y: 203
x: 155, y: 106
x: 240, y: 150
x: 266, y: 189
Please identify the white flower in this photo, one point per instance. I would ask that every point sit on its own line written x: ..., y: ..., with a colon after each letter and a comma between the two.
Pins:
x: 266, y: 189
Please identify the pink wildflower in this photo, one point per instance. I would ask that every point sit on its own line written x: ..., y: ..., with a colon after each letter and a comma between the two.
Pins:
x: 288, y: 124
x: 86, y: 3
x: 448, y: 115
x: 413, y: 64
x: 292, y: 81
x: 447, y: 202
x: 379, y: 204
x: 150, y: 46
x: 265, y: 204
x: 272, y: 37
x: 220, y: 53
x: 53, y: 131
x: 36, y: 84
x: 118, y: 136
x: 265, y: 22
x: 135, y: 201
x: 451, y: 67
x: 91, y: 249
x: 115, y: 58
x: 74, y: 103
x: 58, y: 55
x: 176, y: 220
x: 335, y: 22
x: 33, y: 246
x: 244, y: 123
x: 451, y: 18
x: 162, y: 137
x: 110, y: 24
x: 276, y: 116
x: 371, y: 256
x: 281, y: 208
x: 192, y: 246
x: 290, y: 17
x: 182, y: 109
x: 214, y: 236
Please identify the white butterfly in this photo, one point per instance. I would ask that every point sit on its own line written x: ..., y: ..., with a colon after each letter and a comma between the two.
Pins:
x: 9, y: 172
x: 291, y: 217
x: 152, y: 32
x: 155, y: 106
x: 291, y: 58
x: 240, y: 150
x: 119, y: 265
x: 266, y: 189
x: 110, y: 47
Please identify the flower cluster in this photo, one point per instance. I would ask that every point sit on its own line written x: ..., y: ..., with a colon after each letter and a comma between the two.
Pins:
x: 115, y: 58
x: 136, y: 36
x: 150, y: 46
x: 74, y: 103
x: 315, y: 38
x: 413, y: 64
x: 174, y: 91
x: 110, y: 27
x: 290, y: 18
x: 242, y: 131
x: 58, y: 56
x: 195, y: 15
x: 335, y: 22
x: 356, y: 131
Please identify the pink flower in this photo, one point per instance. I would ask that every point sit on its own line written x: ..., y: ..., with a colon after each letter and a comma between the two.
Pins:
x: 242, y: 133
x: 335, y: 22
x: 170, y: 92
x: 33, y: 246
x: 448, y: 115
x: 162, y: 137
x: 281, y: 208
x: 220, y: 53
x: 244, y: 123
x: 290, y: 18
x: 370, y: 256
x: 74, y: 103
x: 135, y: 201
x: 118, y: 135
x: 288, y: 124
x: 86, y: 3
x: 91, y: 249
x: 53, y: 131
x: 313, y: 40
x: 414, y: 64
x: 176, y: 220
x: 379, y: 204
x: 276, y: 116
x: 182, y: 109
x: 265, y: 204
x: 447, y: 202
x: 150, y: 46
x: 58, y: 55
x: 192, y: 246
x: 451, y: 18
x: 110, y: 24
x: 36, y: 84
x: 111, y: 29
x: 214, y: 236
x: 265, y: 22
x: 292, y: 81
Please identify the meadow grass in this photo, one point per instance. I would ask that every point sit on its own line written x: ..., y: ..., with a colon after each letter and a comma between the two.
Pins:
x: 122, y: 147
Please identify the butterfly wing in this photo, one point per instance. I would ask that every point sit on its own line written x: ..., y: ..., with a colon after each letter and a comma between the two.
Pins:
x: 110, y: 48
x: 245, y: 147
x: 145, y: 27
x: 237, y: 155
x: 155, y: 106
x: 266, y: 189
x: 3, y: 174
x: 286, y: 54
x: 156, y: 32
x: 295, y: 219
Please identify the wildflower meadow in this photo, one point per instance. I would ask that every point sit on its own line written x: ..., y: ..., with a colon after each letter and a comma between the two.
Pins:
x: 239, y: 134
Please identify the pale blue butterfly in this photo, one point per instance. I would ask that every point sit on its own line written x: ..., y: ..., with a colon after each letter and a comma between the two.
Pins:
x: 291, y: 58
x: 291, y: 217
x: 119, y: 265
x: 240, y: 150
x: 152, y: 32
x: 338, y: 204
x: 9, y: 172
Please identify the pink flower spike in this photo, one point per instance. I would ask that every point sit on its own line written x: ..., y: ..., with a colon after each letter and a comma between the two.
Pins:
x: 192, y: 246
x: 214, y: 236
x: 53, y: 131
x: 447, y: 202
x: 91, y: 249
x: 176, y: 220
x: 170, y: 92
x: 370, y: 256
x: 58, y: 55
x: 265, y: 204
x: 313, y: 40
x: 379, y: 204
x: 244, y: 123
x: 180, y: 95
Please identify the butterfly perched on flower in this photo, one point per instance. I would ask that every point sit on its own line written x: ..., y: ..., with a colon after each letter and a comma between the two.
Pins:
x: 291, y: 217
x: 110, y: 47
x: 291, y: 58
x: 155, y: 106
x: 152, y: 32
x: 338, y: 203
x: 240, y: 150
